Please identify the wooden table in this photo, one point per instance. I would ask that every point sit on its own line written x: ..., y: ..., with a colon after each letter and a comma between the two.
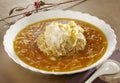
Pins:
x: 10, y: 72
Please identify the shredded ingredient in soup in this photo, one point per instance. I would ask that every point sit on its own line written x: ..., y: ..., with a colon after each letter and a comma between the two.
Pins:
x: 26, y: 48
x: 60, y: 40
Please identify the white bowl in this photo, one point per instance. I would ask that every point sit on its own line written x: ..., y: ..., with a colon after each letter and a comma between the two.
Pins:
x: 14, y: 29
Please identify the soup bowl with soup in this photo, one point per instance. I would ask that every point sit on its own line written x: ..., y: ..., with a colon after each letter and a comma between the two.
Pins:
x: 59, y: 42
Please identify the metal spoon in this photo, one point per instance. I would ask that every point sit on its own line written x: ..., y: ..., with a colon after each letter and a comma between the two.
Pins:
x: 108, y: 67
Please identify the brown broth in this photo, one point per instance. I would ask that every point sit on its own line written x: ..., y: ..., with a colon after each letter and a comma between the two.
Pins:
x: 26, y: 49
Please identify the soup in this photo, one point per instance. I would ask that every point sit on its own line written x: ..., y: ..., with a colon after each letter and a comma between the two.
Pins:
x: 26, y: 49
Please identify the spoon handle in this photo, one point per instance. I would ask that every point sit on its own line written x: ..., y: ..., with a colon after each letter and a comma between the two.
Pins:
x: 101, y: 70
x: 92, y: 78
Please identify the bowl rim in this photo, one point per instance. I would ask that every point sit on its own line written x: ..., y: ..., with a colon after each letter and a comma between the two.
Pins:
x: 60, y: 13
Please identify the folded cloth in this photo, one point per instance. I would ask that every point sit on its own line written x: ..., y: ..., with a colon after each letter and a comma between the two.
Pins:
x: 82, y: 77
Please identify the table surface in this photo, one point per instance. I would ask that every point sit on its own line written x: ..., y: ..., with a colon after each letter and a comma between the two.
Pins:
x: 10, y: 72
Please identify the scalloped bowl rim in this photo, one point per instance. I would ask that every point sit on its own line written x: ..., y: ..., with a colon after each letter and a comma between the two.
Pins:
x: 19, y: 25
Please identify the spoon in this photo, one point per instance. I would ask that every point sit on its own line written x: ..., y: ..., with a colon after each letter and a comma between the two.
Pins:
x: 108, y: 67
